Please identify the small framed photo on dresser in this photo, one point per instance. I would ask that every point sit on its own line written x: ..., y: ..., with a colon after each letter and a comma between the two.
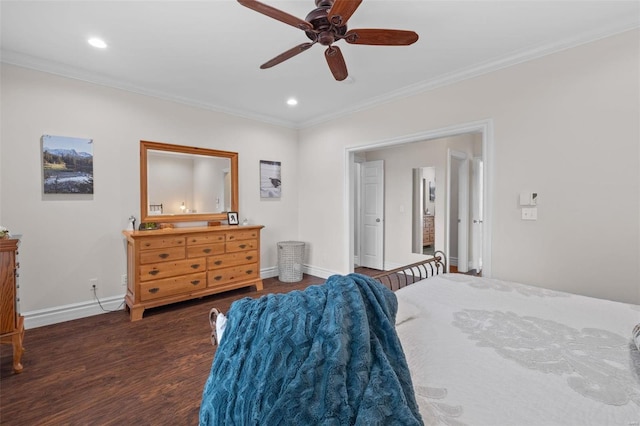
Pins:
x: 232, y: 218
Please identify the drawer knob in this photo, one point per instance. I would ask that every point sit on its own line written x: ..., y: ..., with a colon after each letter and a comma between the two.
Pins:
x: 218, y: 278
x: 207, y: 250
x: 195, y: 282
x: 147, y: 245
x: 154, y: 272
x: 218, y: 262
x: 195, y: 266
x: 249, y: 257
x: 163, y: 255
x: 242, y: 245
x: 154, y: 290
x: 250, y: 271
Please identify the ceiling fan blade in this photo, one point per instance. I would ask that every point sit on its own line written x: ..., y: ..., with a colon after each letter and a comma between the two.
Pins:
x: 341, y: 11
x: 378, y: 37
x: 336, y: 62
x: 274, y: 13
x: 286, y: 55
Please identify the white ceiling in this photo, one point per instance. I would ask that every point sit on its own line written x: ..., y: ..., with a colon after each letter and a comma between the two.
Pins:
x: 208, y: 53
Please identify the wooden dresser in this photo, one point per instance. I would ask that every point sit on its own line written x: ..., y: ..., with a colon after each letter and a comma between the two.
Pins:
x: 11, y: 322
x: 171, y: 265
x: 428, y: 230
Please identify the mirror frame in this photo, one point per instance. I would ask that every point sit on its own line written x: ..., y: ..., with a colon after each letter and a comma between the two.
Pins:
x: 145, y: 146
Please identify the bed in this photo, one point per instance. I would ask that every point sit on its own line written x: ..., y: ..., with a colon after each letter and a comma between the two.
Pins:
x: 489, y: 352
x: 482, y: 351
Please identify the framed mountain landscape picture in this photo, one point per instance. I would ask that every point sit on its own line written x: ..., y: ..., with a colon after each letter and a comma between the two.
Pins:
x: 67, y: 165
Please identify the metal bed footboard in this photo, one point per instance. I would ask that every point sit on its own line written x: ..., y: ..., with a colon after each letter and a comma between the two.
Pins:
x: 398, y: 278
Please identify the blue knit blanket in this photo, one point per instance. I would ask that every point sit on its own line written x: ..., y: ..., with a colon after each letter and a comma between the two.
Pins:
x: 328, y: 355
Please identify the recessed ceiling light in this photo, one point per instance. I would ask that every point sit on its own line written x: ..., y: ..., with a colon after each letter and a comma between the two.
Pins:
x: 97, y: 42
x: 292, y: 102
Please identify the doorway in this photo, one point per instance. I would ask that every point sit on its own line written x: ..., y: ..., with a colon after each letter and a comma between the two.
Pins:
x: 423, y: 211
x: 372, y: 214
x: 484, y: 129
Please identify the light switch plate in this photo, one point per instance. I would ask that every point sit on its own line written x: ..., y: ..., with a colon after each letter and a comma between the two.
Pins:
x: 530, y: 213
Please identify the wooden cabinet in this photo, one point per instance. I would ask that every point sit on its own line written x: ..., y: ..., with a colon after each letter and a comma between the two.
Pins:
x: 171, y: 265
x: 11, y: 322
x: 428, y: 230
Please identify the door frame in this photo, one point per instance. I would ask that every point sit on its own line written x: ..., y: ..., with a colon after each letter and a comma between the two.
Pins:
x: 475, y: 257
x: 484, y: 127
x: 378, y: 257
x: 463, y: 209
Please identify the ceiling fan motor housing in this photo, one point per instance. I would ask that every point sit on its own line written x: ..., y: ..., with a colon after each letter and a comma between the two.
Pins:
x: 323, y: 31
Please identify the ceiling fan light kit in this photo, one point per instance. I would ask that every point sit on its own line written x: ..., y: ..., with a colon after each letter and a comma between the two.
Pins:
x: 325, y: 25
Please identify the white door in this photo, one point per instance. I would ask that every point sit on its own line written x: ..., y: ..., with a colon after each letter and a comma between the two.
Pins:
x: 476, y: 214
x: 372, y: 234
x: 463, y: 215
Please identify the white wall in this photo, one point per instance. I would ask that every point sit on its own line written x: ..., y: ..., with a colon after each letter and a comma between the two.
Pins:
x: 170, y: 182
x: 556, y: 121
x: 67, y: 242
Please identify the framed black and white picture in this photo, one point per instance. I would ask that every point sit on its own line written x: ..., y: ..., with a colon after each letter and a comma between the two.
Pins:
x: 432, y: 191
x: 232, y: 218
x: 67, y: 165
x: 270, y: 179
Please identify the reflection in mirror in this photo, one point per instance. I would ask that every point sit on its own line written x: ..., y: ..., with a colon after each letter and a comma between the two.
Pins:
x: 180, y: 183
x: 424, y: 207
x: 186, y: 183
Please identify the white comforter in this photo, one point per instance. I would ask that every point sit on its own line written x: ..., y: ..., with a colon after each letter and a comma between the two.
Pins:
x: 489, y: 352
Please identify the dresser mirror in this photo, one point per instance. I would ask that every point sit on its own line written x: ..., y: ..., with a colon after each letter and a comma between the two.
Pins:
x: 186, y: 184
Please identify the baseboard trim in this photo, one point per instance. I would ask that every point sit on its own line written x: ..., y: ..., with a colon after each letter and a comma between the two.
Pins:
x: 58, y: 314
x: 269, y: 272
x: 317, y: 272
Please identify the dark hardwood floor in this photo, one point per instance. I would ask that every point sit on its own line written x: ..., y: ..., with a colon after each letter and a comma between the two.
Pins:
x: 454, y: 270
x: 106, y: 370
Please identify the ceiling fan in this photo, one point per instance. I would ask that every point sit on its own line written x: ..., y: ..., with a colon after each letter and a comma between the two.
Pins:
x: 326, y: 24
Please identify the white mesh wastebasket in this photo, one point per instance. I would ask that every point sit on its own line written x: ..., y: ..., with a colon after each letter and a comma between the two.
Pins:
x: 290, y: 258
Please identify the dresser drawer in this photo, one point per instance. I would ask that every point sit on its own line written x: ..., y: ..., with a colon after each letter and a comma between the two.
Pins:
x: 155, y: 271
x: 161, y: 242
x: 235, y: 273
x: 161, y: 255
x: 243, y: 245
x: 171, y: 286
x: 251, y: 234
x: 205, y: 250
x: 208, y: 238
x: 232, y: 259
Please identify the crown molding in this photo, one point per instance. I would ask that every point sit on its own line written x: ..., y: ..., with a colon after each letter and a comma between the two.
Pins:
x: 487, y: 67
x: 515, y: 58
x: 62, y: 70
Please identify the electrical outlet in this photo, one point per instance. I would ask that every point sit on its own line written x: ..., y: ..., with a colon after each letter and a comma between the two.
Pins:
x: 123, y: 280
x: 93, y: 284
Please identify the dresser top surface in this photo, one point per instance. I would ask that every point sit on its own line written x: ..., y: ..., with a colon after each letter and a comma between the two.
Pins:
x: 8, y: 244
x: 190, y: 230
